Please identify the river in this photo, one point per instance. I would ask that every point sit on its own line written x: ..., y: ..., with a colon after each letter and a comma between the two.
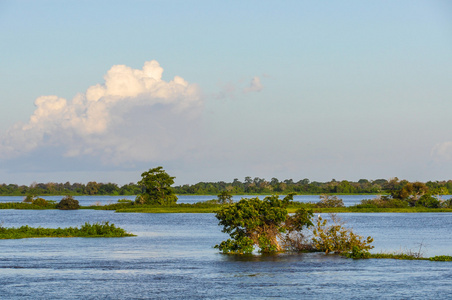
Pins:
x: 172, y: 256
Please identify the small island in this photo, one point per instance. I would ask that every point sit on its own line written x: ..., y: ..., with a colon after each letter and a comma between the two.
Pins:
x: 95, y: 230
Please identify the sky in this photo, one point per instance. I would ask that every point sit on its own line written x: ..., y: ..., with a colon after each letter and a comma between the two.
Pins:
x: 216, y: 90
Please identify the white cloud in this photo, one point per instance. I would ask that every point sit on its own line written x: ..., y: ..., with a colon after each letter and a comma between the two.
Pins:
x: 134, y: 115
x: 255, y: 85
x: 442, y: 151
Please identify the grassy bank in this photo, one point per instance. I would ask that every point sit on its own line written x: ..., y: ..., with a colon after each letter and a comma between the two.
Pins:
x: 87, y: 230
x: 353, y: 209
x: 405, y: 256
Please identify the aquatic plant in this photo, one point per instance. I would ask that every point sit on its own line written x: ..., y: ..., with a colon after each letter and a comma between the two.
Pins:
x: 68, y: 203
x: 104, y: 229
x: 336, y: 238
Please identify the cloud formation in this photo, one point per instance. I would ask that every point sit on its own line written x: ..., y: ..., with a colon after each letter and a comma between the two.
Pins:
x: 255, y: 85
x: 133, y: 116
x: 442, y: 151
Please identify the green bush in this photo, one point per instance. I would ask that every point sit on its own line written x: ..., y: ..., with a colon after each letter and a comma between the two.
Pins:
x: 428, y: 201
x: 68, y: 203
x: 335, y: 238
x: 383, y: 202
x: 40, y: 202
x: 441, y: 258
x: 447, y: 203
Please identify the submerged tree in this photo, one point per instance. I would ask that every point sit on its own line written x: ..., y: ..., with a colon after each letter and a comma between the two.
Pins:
x: 262, y: 223
x: 266, y: 224
x: 156, y: 185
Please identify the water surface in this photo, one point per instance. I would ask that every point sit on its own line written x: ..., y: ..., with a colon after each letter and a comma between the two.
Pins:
x: 172, y: 257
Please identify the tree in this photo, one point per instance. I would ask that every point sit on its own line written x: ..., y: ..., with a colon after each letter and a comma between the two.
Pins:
x: 224, y: 197
x: 263, y: 223
x: 156, y: 186
x: 92, y: 188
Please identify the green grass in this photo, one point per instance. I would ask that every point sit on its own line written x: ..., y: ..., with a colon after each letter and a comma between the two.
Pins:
x: 352, y: 209
x: 409, y: 256
x: 24, y: 205
x: 87, y: 230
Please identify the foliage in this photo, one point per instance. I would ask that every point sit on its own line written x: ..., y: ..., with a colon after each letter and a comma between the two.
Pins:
x: 68, y: 203
x: 236, y: 187
x: 441, y: 258
x: 157, y: 189
x: 224, y: 197
x: 447, y: 203
x: 124, y: 201
x: 262, y: 223
x: 428, y: 201
x: 87, y: 230
x: 28, y: 199
x: 335, y: 238
x: 329, y: 201
x: 358, y: 253
x: 383, y: 202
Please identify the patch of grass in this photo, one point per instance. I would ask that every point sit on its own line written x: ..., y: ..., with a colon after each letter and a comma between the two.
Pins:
x: 25, y: 205
x: 403, y: 256
x: 355, y: 209
x: 441, y: 258
x: 104, y: 229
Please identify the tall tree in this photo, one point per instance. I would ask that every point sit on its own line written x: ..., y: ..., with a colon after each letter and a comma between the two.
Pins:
x: 156, y: 185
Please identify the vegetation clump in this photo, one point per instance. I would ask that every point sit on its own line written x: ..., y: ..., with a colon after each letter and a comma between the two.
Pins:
x: 266, y: 224
x: 335, y: 238
x: 156, y: 188
x: 329, y: 201
x: 225, y: 197
x: 68, y: 203
x: 104, y: 229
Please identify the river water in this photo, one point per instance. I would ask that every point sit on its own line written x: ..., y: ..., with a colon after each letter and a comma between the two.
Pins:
x: 172, y: 257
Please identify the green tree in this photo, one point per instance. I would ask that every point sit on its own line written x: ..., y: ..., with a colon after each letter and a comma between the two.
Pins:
x: 224, y: 197
x: 262, y: 223
x: 92, y: 188
x: 156, y: 185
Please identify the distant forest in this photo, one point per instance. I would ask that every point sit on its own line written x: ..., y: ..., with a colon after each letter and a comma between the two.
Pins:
x: 237, y: 187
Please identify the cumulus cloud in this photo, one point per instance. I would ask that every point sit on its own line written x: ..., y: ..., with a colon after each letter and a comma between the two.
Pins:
x: 255, y: 85
x: 442, y: 151
x: 134, y: 115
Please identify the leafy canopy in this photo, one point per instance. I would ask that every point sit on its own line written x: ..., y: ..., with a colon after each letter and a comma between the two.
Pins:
x: 156, y: 185
x: 262, y: 223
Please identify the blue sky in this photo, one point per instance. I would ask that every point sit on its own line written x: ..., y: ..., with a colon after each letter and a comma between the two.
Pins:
x: 215, y: 90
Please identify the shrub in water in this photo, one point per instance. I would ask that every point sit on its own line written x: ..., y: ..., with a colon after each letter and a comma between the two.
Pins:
x: 40, y: 202
x: 68, y: 203
x: 428, y: 201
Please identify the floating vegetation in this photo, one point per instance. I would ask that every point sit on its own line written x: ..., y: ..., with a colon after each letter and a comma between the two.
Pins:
x: 104, y: 229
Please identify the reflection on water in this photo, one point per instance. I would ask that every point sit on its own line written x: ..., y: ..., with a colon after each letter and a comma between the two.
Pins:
x: 172, y: 257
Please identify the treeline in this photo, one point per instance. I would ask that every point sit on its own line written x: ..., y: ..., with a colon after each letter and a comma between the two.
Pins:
x: 305, y: 186
x: 236, y: 187
x: 52, y: 188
